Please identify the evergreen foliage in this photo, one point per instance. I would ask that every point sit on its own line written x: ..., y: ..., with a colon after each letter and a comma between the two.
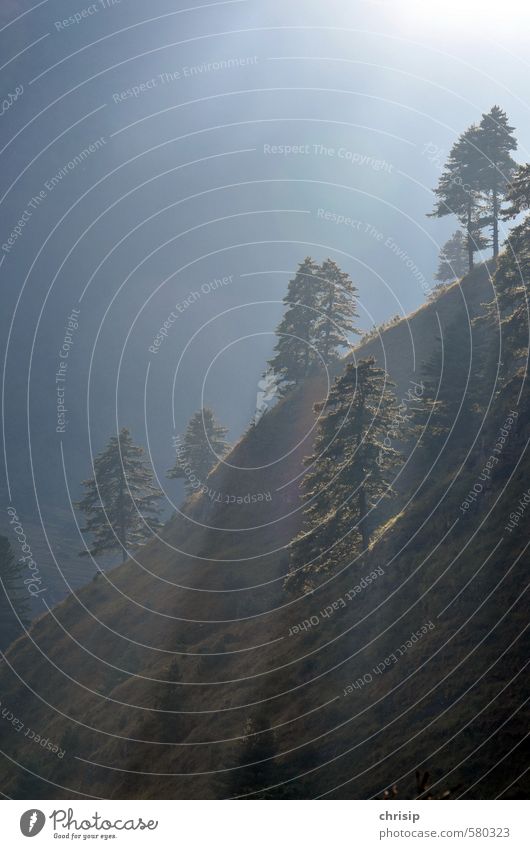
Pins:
x: 350, y: 471
x: 203, y: 444
x: 476, y: 178
x: 321, y: 305
x: 121, y: 499
x: 453, y: 258
x: 512, y: 276
x: 337, y: 308
x: 459, y: 190
x: 295, y: 351
x: 496, y: 141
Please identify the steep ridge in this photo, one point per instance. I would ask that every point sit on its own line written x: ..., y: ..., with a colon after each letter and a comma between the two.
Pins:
x: 148, y: 678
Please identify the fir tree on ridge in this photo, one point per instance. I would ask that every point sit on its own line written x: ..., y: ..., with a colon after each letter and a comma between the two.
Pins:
x: 338, y: 308
x: 496, y: 141
x: 121, y: 500
x: 476, y: 178
x: 295, y: 352
x: 321, y: 305
x: 459, y: 190
x: 203, y: 445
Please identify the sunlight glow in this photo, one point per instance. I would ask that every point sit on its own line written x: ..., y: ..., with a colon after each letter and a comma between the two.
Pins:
x: 461, y: 17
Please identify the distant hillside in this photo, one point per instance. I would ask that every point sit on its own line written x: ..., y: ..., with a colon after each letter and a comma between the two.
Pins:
x: 148, y: 679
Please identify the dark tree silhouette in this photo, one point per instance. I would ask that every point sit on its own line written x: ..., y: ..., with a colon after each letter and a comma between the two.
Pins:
x: 321, y: 306
x: 453, y: 258
x: 513, y: 272
x: 295, y: 351
x: 337, y: 307
x: 496, y: 141
x: 121, y: 499
x: 203, y: 444
x: 349, y: 472
x: 459, y: 190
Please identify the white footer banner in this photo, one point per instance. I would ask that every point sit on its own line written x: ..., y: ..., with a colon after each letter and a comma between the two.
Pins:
x: 262, y: 825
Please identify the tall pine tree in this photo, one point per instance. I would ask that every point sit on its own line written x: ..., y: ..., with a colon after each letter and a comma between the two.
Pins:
x: 121, y: 499
x: 459, y: 191
x: 512, y: 277
x: 203, y: 444
x: 496, y: 141
x: 337, y: 303
x: 321, y: 308
x: 295, y: 352
x: 350, y: 471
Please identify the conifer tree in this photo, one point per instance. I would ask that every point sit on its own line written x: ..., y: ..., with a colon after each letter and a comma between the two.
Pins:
x: 337, y: 303
x: 513, y: 271
x: 321, y: 305
x: 459, y: 190
x: 121, y: 499
x: 295, y: 352
x: 453, y: 258
x: 518, y: 192
x: 13, y: 602
x: 350, y: 471
x: 496, y: 141
x: 203, y: 444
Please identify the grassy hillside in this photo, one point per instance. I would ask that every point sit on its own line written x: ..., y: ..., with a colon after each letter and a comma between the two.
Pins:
x: 149, y: 677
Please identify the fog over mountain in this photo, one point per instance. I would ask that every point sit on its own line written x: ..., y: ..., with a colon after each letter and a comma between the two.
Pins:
x: 167, y: 170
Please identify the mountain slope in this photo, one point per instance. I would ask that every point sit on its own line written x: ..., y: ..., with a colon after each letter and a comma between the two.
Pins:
x: 147, y: 680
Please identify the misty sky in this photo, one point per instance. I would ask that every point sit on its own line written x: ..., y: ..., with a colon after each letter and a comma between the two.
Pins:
x: 231, y: 140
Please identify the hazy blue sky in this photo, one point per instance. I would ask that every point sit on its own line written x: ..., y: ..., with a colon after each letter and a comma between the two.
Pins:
x: 191, y: 181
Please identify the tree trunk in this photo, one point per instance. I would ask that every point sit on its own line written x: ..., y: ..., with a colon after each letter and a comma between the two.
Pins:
x: 306, y: 357
x: 329, y: 311
x: 470, y: 252
x: 495, y: 224
x: 121, y: 520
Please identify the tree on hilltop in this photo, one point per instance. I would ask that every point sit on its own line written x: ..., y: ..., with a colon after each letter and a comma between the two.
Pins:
x: 475, y: 180
x: 496, y: 141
